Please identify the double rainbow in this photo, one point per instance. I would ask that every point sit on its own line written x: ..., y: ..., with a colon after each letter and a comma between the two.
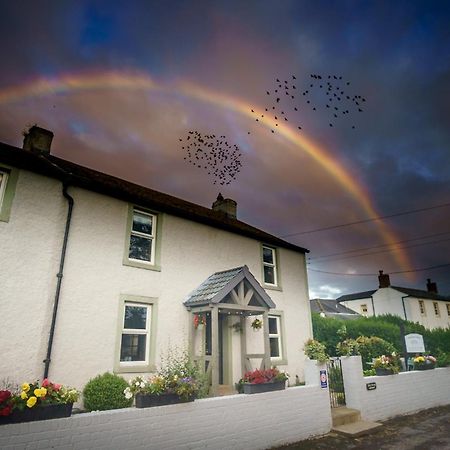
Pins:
x: 141, y: 81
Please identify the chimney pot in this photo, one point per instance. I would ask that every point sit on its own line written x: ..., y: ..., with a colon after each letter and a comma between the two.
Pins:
x: 432, y: 286
x: 383, y: 280
x: 38, y: 139
x: 226, y: 206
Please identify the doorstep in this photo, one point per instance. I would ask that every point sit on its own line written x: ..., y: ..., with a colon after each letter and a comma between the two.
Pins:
x: 357, y: 428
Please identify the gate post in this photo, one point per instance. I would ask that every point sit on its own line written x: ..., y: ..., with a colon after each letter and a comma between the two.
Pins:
x: 312, y: 371
x: 352, y: 373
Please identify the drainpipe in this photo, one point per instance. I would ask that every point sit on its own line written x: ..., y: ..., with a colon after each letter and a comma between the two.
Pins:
x: 403, y: 303
x: 59, y: 276
x: 373, y: 305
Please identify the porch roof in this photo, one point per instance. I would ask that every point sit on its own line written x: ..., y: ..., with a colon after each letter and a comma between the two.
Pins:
x: 214, y: 289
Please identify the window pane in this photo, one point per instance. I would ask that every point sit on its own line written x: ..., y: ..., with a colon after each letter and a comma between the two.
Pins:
x: 133, y: 347
x: 267, y: 255
x: 269, y: 275
x: 142, y: 223
x: 140, y: 248
x: 135, y: 317
x: 273, y: 325
x: 274, y: 348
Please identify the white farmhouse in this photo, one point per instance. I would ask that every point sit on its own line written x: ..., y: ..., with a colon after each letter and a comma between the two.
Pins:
x: 99, y: 274
x: 428, y: 308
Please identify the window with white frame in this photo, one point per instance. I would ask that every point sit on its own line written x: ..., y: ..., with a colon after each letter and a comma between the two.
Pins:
x: 142, y: 237
x: 422, y: 308
x: 269, y: 258
x: 436, y: 309
x: 364, y: 310
x: 276, y: 348
x: 135, y: 340
x: 3, y: 181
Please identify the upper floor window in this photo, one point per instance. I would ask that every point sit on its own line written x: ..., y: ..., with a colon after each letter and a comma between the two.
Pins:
x: 3, y: 180
x: 364, y: 310
x: 436, y: 309
x: 422, y: 308
x: 142, y: 236
x: 8, y: 181
x: 269, y: 260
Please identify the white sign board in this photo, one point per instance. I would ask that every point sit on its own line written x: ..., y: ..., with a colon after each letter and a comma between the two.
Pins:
x: 414, y: 343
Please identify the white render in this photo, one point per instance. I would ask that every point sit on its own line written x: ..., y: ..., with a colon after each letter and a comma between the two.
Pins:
x: 95, y: 278
x: 388, y: 300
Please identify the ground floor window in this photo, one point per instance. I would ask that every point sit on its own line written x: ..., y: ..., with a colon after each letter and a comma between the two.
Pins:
x: 276, y: 349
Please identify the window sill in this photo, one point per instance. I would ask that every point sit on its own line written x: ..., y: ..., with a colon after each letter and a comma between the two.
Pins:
x: 135, y: 368
x: 141, y: 265
x: 272, y: 287
x: 278, y: 362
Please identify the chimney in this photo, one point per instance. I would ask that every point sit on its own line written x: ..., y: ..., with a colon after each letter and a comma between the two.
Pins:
x: 432, y: 286
x: 39, y: 139
x: 383, y: 280
x: 225, y: 206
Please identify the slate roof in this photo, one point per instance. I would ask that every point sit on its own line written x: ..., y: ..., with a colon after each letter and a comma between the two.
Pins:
x: 332, y: 308
x: 416, y: 293
x: 356, y: 296
x: 86, y: 178
x: 219, y: 284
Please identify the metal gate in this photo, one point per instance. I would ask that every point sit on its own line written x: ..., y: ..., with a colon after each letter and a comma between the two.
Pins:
x: 336, y: 383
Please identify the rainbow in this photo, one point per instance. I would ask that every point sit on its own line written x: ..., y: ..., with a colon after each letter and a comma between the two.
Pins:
x: 141, y: 81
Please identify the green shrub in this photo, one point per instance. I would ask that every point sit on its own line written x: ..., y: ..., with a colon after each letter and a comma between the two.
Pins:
x: 105, y: 392
x: 373, y: 347
x: 315, y: 350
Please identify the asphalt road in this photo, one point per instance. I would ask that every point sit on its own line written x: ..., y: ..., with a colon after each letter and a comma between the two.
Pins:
x: 426, y: 430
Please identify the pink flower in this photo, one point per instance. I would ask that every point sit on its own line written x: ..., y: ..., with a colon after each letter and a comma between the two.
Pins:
x: 45, y: 382
x: 56, y: 387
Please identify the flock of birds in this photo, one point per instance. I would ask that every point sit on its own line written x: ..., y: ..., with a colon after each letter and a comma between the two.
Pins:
x: 213, y: 154
x: 330, y: 94
x: 222, y: 161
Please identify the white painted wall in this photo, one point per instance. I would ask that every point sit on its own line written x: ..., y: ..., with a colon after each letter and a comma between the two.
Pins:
x: 389, y: 301
x: 95, y: 278
x: 236, y: 422
x: 403, y: 393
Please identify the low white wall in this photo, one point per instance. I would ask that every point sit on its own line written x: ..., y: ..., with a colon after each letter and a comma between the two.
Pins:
x: 403, y: 393
x: 257, y: 421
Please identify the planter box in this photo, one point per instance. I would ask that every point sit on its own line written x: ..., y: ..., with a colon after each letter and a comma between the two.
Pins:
x: 424, y: 367
x: 42, y: 412
x: 264, y: 387
x: 381, y: 372
x: 150, y: 400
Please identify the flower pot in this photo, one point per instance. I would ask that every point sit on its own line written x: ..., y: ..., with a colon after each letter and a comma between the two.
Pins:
x: 380, y: 371
x: 424, y: 367
x: 41, y: 412
x: 150, y: 400
x: 264, y: 387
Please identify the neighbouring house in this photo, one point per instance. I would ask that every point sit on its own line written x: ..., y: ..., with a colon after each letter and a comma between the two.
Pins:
x: 428, y: 308
x: 100, y: 274
x: 331, y: 308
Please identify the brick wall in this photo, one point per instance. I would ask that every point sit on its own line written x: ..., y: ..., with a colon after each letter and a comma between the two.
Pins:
x: 394, y: 395
x: 256, y: 421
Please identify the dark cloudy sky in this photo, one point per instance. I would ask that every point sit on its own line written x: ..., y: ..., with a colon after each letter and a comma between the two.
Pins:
x: 119, y: 83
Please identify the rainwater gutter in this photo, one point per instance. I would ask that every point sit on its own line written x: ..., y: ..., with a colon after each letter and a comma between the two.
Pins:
x: 404, y: 307
x: 373, y: 305
x: 59, y: 275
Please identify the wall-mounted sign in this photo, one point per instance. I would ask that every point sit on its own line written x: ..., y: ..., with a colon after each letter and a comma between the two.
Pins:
x: 323, y: 379
x: 414, y: 343
x: 371, y: 386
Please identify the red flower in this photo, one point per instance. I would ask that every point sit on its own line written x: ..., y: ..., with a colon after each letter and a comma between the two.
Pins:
x: 6, y: 410
x: 45, y: 382
x: 4, y: 395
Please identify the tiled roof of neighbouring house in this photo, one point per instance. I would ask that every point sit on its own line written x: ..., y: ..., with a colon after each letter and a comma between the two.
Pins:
x: 92, y: 180
x: 418, y: 293
x: 355, y: 296
x: 219, y: 284
x: 332, y: 308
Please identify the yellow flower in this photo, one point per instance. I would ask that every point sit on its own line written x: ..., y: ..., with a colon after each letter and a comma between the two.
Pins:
x: 25, y: 387
x: 31, y: 402
x: 23, y: 395
x: 40, y: 392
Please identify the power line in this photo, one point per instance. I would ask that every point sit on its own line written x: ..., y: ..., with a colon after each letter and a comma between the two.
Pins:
x: 412, y: 211
x: 384, y: 251
x: 378, y: 246
x: 374, y: 275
